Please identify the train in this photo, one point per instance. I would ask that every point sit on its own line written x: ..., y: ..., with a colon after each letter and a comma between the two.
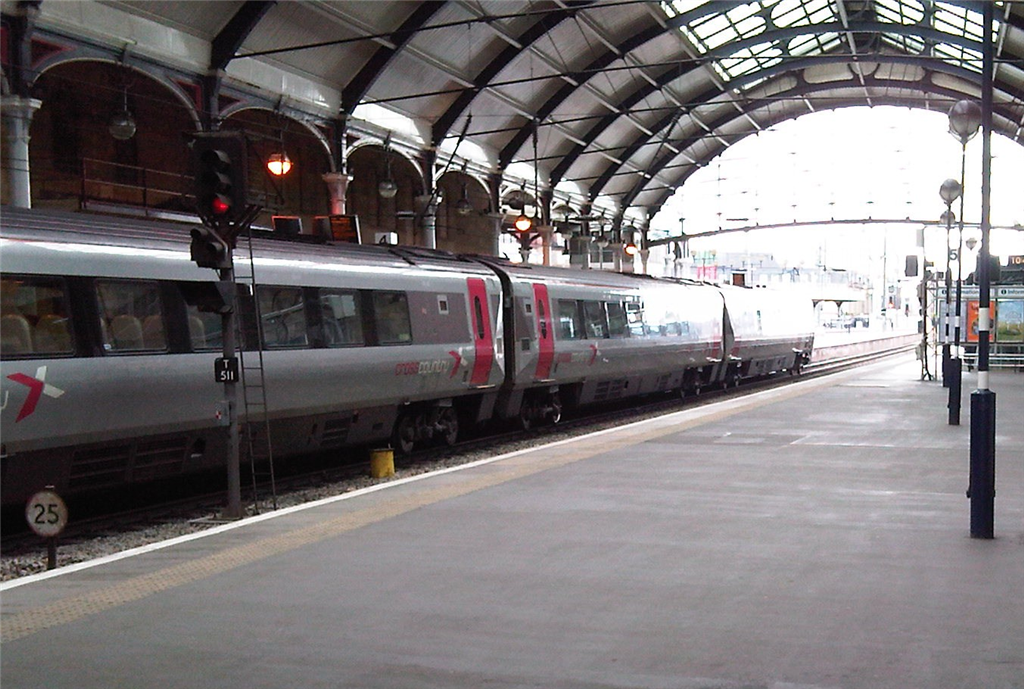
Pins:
x: 110, y: 335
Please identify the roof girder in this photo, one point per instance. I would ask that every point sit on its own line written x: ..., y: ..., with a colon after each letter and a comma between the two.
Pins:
x: 226, y: 43
x: 357, y: 87
x: 738, y: 83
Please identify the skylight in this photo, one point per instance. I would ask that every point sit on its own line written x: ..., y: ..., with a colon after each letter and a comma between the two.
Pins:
x: 713, y: 31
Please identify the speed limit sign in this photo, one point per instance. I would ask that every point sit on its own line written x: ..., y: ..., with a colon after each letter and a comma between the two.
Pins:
x: 46, y: 513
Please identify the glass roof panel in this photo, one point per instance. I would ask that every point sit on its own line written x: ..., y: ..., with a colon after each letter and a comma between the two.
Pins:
x: 815, y: 44
x: 751, y: 19
x: 802, y: 12
x: 899, y: 11
x: 958, y: 20
x: 820, y: 14
x: 676, y: 7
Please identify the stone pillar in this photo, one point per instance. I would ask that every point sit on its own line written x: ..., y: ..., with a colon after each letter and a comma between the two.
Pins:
x: 496, y: 221
x: 17, y: 116
x: 428, y: 220
x: 546, y: 233
x: 337, y: 185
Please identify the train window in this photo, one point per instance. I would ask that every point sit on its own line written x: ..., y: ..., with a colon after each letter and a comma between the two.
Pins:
x: 570, y: 326
x: 594, y: 319
x: 635, y: 318
x: 204, y: 329
x: 617, y: 325
x: 131, y: 316
x: 391, y: 314
x: 341, y: 317
x: 478, y: 311
x: 34, y: 317
x: 282, y: 317
x: 442, y: 304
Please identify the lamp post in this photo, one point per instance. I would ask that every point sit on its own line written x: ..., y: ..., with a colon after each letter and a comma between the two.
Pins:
x: 982, y: 487
x: 949, y: 192
x: 923, y: 294
x: 964, y: 121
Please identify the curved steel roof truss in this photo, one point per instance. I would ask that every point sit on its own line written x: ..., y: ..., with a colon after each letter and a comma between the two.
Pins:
x: 632, y: 96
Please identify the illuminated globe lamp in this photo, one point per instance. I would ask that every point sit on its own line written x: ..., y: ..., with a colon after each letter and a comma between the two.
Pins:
x: 630, y: 249
x: 523, y: 223
x: 279, y: 164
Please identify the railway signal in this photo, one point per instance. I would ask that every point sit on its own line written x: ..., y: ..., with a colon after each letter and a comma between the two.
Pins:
x: 221, y: 190
x: 209, y: 249
x: 219, y: 165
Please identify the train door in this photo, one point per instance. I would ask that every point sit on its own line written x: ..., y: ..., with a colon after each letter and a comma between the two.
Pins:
x: 545, y: 334
x: 483, y: 335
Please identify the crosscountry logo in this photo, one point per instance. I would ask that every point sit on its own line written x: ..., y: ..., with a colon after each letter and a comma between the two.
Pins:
x: 36, y: 388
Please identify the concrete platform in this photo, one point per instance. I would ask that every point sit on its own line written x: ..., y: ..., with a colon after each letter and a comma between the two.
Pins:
x: 815, y: 536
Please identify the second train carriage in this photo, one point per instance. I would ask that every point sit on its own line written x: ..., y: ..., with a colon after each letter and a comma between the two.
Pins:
x: 107, y: 356
x: 580, y: 337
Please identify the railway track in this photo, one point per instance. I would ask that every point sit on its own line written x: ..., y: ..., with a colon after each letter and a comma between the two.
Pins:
x: 101, y: 532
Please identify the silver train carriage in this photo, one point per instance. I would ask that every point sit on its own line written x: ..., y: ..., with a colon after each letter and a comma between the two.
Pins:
x: 580, y: 337
x: 106, y: 358
x: 107, y: 346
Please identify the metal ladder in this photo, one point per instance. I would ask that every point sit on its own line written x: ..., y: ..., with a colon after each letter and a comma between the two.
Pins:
x: 255, y: 439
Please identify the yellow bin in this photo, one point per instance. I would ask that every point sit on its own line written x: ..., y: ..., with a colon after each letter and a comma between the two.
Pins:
x: 382, y: 463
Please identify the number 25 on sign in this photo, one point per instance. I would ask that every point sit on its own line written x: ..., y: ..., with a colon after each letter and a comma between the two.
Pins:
x: 47, y: 515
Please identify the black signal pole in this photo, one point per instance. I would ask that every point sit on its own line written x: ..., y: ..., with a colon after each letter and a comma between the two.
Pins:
x: 234, y: 506
x: 982, y: 488
x: 219, y: 161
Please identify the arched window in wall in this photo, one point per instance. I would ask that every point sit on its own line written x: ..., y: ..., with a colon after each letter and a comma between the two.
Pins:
x: 77, y: 153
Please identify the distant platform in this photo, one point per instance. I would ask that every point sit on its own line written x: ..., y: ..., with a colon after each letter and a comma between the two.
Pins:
x: 832, y: 344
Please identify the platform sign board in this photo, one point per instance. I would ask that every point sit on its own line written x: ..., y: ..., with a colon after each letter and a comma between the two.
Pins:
x: 46, y: 513
x: 339, y: 228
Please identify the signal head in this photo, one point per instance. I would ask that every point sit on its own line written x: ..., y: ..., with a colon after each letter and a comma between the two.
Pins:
x: 220, y: 175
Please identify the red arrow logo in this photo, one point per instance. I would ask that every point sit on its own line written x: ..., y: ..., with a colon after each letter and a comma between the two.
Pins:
x: 458, y: 360
x: 36, y: 388
x: 35, y: 391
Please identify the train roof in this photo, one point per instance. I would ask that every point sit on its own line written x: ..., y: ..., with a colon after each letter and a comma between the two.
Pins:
x: 103, y: 230
x: 593, y: 278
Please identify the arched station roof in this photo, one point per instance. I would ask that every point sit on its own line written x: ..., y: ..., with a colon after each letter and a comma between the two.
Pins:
x: 617, y: 98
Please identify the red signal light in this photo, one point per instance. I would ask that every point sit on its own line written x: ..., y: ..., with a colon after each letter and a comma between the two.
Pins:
x: 219, y: 205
